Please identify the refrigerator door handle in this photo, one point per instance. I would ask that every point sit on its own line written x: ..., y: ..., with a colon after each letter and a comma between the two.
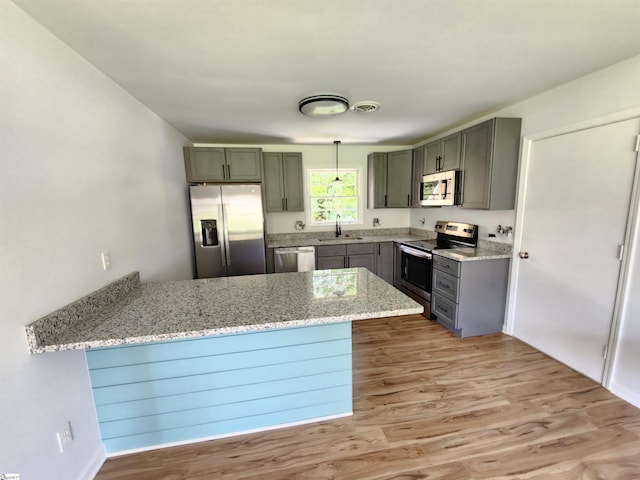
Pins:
x: 225, y: 236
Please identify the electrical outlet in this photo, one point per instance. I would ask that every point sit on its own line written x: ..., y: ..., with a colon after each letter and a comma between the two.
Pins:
x: 106, y: 260
x: 65, y: 437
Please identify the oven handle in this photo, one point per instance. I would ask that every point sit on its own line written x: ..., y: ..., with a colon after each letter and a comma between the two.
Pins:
x: 415, y: 252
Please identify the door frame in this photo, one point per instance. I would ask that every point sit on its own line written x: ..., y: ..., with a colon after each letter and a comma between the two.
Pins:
x: 633, y: 223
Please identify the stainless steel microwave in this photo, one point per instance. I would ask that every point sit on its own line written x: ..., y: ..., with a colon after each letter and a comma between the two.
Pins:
x: 439, y: 189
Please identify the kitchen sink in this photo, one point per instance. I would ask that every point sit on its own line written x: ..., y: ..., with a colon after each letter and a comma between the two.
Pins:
x: 346, y: 237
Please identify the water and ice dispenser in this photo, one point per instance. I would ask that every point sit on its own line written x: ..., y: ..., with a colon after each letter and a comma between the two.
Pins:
x: 209, y: 232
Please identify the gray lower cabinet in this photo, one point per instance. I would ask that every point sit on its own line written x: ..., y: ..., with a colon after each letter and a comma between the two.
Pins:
x: 347, y: 256
x: 489, y: 164
x: 270, y: 260
x: 443, y: 154
x: 469, y: 298
x: 384, y: 261
x: 215, y: 164
x: 283, y: 182
x: 389, y: 179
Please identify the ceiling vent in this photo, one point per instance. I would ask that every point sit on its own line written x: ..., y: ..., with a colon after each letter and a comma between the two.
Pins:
x: 365, y: 107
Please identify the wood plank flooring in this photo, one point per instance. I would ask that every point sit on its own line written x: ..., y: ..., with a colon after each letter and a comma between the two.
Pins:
x: 428, y: 405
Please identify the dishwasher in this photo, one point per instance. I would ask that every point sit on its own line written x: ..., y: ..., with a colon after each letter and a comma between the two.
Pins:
x: 295, y: 259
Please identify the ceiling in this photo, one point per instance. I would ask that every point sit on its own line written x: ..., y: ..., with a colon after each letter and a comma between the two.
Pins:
x: 233, y: 71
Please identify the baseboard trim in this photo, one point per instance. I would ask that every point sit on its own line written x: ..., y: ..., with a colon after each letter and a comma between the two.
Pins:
x: 95, y: 464
x: 626, y: 394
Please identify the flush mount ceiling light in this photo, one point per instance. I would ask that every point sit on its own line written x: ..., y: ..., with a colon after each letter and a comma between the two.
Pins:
x: 365, y: 107
x: 323, y: 105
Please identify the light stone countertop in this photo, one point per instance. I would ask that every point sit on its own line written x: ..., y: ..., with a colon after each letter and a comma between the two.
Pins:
x: 471, y: 254
x: 372, y: 235
x: 194, y: 308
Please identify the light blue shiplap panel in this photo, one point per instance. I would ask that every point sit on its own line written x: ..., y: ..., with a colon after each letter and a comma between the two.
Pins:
x: 167, y: 392
x: 217, y: 379
x: 216, y: 363
x: 220, y: 345
x: 227, y: 427
x: 220, y: 386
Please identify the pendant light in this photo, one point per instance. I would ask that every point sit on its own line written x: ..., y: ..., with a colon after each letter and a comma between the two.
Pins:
x: 337, y: 179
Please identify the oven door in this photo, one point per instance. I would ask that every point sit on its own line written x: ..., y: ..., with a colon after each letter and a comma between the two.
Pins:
x: 415, y: 273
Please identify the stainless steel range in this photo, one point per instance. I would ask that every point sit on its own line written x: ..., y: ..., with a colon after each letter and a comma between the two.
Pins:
x: 416, y: 258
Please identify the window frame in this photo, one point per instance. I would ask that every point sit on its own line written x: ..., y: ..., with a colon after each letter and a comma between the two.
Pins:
x: 358, y: 195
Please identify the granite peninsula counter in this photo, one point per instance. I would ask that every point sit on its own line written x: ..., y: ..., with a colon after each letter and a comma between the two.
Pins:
x: 161, y: 311
x: 183, y: 361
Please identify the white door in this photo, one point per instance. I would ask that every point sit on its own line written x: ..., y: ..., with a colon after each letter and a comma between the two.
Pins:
x: 573, y: 221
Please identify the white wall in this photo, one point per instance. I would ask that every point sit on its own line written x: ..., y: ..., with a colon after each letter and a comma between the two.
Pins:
x: 84, y: 168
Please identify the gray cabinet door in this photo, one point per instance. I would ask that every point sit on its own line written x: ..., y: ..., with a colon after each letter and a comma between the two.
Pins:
x: 431, y: 157
x: 384, y: 261
x: 443, y: 154
x: 214, y: 164
x: 204, y: 164
x: 450, y: 152
x: 377, y: 180
x: 283, y: 181
x: 366, y: 261
x: 476, y: 165
x: 490, y: 164
x: 292, y: 181
x: 244, y: 164
x: 399, y: 171
x: 323, y: 263
x: 273, y: 182
x: 416, y: 179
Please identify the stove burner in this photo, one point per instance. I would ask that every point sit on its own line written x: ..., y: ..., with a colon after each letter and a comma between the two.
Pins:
x: 425, y: 245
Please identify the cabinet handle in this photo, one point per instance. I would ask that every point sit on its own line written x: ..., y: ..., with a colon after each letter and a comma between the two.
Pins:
x: 229, y: 172
x: 282, y: 203
x: 408, y: 200
x: 286, y: 205
x: 385, y: 200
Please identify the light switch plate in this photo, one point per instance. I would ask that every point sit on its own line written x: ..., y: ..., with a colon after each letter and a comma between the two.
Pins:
x: 106, y: 260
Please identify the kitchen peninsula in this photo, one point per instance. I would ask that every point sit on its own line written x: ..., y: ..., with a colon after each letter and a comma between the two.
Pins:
x: 179, y: 361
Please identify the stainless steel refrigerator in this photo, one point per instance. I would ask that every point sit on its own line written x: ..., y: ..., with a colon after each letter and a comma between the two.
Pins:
x: 228, y: 230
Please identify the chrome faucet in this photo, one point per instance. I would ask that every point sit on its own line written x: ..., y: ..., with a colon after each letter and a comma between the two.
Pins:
x: 338, y: 229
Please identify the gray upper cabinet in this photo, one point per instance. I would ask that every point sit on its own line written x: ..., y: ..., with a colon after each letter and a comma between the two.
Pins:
x: 416, y: 177
x: 389, y: 179
x: 215, y: 164
x: 377, y: 180
x: 490, y: 164
x: 283, y: 181
x: 443, y: 154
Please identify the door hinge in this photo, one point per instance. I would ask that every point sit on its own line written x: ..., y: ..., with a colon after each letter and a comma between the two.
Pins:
x: 605, y: 351
x: 620, y: 252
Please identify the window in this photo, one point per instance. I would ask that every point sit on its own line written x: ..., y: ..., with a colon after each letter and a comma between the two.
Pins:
x: 328, y: 198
